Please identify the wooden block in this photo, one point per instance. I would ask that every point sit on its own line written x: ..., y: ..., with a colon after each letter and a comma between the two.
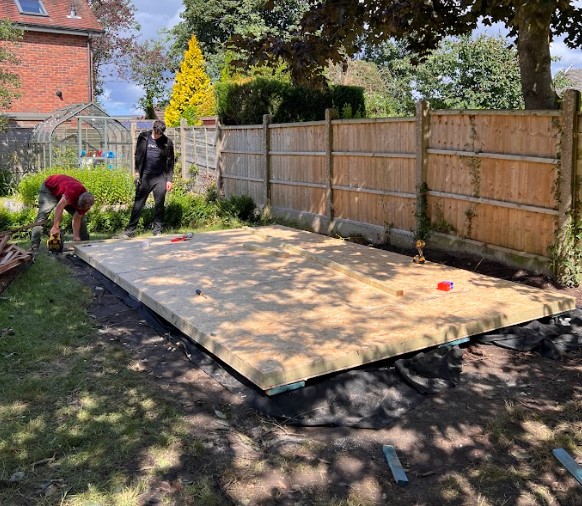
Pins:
x: 285, y: 388
x: 569, y: 463
x: 456, y: 342
x: 11, y: 264
x: 3, y: 241
x: 395, y: 465
x: 9, y: 253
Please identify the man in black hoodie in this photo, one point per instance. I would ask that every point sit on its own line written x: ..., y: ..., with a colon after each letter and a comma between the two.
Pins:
x: 154, y: 168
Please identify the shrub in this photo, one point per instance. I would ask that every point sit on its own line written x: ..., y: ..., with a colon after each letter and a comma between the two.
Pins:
x: 110, y: 186
x: 5, y: 219
x: 192, y: 94
x: 114, y: 195
x: 238, y: 206
x: 17, y: 219
x: 246, y: 103
x: 107, y: 220
x: 7, y: 179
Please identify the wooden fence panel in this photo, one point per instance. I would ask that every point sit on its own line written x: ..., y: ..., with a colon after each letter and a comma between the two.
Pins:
x: 515, y: 181
x: 491, y: 176
x: 241, y: 162
x: 532, y: 133
x: 200, y: 149
x: 373, y: 172
x: 300, y: 199
x: 297, y: 154
x: 498, y: 226
x: 298, y: 137
x: 297, y: 158
x: 385, y: 135
x: 387, y: 212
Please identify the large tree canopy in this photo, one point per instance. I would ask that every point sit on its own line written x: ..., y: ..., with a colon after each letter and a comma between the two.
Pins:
x: 464, y: 73
x: 149, y: 66
x: 214, y: 22
x: 335, y: 29
x: 117, y: 18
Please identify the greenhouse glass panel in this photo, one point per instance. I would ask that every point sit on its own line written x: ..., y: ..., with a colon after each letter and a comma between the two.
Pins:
x: 82, y: 135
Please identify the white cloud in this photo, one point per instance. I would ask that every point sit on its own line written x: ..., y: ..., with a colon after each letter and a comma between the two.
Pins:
x: 119, y: 98
x: 152, y: 18
x: 566, y: 56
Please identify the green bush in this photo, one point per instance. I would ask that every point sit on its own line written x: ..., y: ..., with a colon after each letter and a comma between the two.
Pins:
x: 246, y: 103
x: 17, y: 219
x: 107, y: 220
x: 114, y: 194
x: 238, y: 206
x: 6, y: 181
x: 196, y: 210
x: 348, y: 101
x: 5, y: 219
x: 110, y: 187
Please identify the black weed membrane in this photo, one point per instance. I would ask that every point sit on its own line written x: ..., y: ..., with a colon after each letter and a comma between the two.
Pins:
x: 372, y: 396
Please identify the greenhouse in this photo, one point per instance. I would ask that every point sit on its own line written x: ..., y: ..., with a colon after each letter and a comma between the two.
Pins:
x: 81, y: 135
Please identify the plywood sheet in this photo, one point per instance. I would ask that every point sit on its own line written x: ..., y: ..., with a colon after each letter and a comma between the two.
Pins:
x: 277, y: 316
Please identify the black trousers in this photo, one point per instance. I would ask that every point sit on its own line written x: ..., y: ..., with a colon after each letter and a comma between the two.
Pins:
x: 147, y: 185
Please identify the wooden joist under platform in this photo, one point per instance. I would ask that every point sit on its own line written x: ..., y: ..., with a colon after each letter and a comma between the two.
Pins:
x: 282, y: 305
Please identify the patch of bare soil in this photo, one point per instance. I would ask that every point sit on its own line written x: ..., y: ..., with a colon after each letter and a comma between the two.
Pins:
x: 445, y: 443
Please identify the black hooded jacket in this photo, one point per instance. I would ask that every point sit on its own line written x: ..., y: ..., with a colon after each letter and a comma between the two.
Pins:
x: 166, y: 146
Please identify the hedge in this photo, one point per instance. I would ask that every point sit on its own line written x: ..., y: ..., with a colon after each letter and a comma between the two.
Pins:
x: 246, y: 103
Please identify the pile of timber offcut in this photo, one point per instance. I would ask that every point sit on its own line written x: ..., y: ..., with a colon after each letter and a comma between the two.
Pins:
x: 11, y: 255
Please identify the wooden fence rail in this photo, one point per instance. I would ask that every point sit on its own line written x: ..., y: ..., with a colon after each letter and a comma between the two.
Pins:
x: 196, y: 151
x: 502, y: 184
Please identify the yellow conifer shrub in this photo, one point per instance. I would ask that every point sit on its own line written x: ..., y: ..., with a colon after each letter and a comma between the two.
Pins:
x: 193, y: 93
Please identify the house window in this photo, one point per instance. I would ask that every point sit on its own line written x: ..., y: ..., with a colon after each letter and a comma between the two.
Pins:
x: 31, y: 7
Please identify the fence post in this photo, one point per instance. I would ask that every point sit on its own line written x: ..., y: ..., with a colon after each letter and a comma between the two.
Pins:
x: 219, y: 141
x: 421, y: 169
x: 329, y: 116
x: 569, y: 203
x: 183, y: 149
x: 206, y: 151
x: 267, y: 164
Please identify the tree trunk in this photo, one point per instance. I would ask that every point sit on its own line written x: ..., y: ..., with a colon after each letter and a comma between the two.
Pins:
x: 533, y: 47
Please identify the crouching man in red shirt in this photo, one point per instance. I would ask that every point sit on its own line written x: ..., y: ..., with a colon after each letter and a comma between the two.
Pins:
x: 60, y: 192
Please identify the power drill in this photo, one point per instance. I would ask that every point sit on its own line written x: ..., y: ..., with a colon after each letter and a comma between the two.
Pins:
x: 55, y: 242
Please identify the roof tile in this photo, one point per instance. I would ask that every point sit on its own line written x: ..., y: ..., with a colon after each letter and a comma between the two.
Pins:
x: 59, y: 16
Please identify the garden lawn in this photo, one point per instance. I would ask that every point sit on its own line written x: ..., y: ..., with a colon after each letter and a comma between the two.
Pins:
x: 77, y: 425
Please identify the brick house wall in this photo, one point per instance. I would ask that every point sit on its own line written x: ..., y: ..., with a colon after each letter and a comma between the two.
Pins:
x: 51, y: 63
x: 55, y: 56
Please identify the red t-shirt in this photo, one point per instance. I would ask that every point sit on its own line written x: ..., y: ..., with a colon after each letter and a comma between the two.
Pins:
x: 68, y: 186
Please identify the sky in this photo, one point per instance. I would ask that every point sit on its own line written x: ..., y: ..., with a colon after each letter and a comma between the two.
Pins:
x: 121, y: 96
